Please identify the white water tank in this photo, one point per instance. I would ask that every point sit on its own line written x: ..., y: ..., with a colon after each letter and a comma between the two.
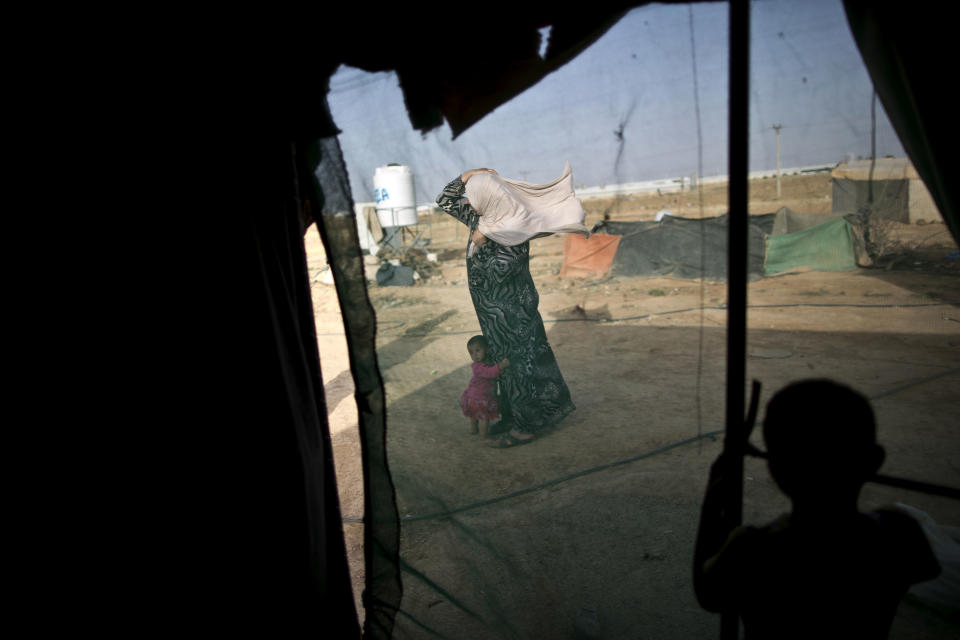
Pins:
x: 395, y: 197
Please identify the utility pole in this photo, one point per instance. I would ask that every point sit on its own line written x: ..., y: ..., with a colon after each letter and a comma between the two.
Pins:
x: 777, y: 128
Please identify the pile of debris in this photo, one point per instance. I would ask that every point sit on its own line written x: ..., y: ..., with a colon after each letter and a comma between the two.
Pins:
x: 401, y: 267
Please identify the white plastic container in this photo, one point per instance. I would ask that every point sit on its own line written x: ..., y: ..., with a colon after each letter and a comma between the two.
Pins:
x: 395, y: 197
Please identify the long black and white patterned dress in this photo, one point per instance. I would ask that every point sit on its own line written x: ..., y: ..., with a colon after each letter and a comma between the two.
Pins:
x: 533, y: 394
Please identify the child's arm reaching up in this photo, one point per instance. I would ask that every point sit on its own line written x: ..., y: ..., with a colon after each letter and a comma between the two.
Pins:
x: 490, y: 370
x: 485, y: 370
x: 714, y: 531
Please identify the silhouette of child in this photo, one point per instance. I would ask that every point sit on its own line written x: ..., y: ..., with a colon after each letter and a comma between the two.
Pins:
x: 479, y: 401
x: 825, y: 570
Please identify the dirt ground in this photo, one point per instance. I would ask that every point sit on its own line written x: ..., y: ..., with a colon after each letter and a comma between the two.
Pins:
x: 606, y: 504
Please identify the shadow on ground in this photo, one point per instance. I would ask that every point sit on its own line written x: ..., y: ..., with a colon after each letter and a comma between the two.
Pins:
x: 619, y: 537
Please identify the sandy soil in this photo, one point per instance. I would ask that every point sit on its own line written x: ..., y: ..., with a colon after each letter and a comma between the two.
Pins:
x: 646, y: 368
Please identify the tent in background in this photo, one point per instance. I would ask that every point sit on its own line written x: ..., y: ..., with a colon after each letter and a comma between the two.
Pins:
x: 695, y: 248
x: 892, y: 184
x: 784, y: 240
x: 683, y: 247
x: 585, y: 257
x: 825, y: 247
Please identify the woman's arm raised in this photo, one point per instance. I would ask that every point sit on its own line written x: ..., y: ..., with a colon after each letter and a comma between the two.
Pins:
x: 450, y: 200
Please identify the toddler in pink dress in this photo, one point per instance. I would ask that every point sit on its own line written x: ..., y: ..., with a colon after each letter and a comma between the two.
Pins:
x: 479, y: 401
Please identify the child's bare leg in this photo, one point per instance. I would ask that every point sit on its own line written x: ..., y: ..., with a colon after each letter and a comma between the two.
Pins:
x: 484, y: 424
x: 473, y: 426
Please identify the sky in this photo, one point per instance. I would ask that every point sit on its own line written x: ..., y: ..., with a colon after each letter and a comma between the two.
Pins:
x: 646, y: 101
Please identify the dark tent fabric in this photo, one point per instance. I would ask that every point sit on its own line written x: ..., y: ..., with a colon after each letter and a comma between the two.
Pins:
x: 257, y: 545
x: 320, y: 165
x: 684, y: 247
x: 462, y: 89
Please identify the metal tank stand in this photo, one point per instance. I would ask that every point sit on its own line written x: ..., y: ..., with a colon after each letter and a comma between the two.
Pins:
x: 395, y: 237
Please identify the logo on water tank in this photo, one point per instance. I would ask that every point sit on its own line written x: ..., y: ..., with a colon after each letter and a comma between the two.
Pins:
x: 381, y: 194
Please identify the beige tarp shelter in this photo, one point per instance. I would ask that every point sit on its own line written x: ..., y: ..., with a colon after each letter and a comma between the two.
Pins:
x: 898, y: 192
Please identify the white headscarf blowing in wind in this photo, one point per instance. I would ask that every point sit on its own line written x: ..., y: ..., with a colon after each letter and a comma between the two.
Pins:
x: 512, y: 212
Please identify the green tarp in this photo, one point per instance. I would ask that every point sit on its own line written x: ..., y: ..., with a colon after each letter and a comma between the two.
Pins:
x: 825, y: 247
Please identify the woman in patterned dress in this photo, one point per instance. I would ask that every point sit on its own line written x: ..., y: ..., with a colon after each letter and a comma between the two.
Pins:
x: 533, y: 394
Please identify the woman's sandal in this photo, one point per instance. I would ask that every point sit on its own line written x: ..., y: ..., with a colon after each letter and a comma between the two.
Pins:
x: 506, y: 441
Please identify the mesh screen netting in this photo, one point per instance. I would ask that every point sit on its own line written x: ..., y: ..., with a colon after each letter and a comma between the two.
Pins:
x: 588, y: 530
